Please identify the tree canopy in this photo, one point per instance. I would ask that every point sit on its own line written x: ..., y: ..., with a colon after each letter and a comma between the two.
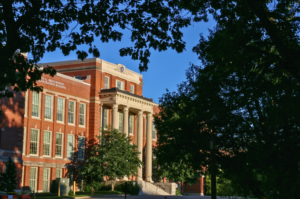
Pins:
x: 114, y: 156
x: 8, y: 179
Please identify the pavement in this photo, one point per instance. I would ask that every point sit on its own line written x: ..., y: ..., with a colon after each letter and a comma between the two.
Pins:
x: 156, y: 197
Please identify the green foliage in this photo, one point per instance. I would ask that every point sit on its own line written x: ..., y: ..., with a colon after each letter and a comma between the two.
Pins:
x: 114, y: 157
x: 71, y: 193
x: 87, y: 187
x: 224, y: 185
x: 8, y: 179
x: 177, y: 192
x: 130, y: 189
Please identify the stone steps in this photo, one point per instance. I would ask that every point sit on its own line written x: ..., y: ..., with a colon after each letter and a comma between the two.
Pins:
x: 150, y: 189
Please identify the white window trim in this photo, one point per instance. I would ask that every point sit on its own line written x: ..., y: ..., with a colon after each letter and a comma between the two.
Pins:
x: 52, y: 108
x: 39, y: 109
x: 155, y: 139
x: 63, y: 113
x: 36, y: 177
x: 62, y: 146
x: 122, y: 84
x: 38, y: 142
x: 22, y: 180
x: 131, y: 85
x: 49, y: 173
x: 72, y: 124
x: 26, y: 104
x: 24, y: 142
x: 108, y: 82
x: 73, y: 146
x: 84, y: 115
x: 50, y: 144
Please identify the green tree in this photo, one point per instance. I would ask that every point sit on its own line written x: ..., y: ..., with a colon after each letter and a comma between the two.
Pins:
x: 114, y: 157
x: 8, y: 179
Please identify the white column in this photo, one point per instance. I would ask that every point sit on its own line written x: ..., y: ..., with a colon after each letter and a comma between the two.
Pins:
x: 125, y: 120
x: 149, y: 148
x: 115, y: 117
x: 140, y: 144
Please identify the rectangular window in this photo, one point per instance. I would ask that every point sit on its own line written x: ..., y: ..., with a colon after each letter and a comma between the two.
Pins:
x: 81, y: 147
x: 24, y: 141
x: 48, y: 107
x: 105, y: 118
x: 25, y: 103
x: 59, y: 145
x: 154, y: 132
x: 46, y: 178
x: 120, y: 85
x: 60, y: 109
x: 70, y: 147
x: 58, y: 173
x: 120, y: 121
x: 34, y: 137
x: 32, y: 179
x: 81, y: 114
x: 106, y: 85
x: 35, y: 104
x: 47, y: 143
x: 132, y: 89
x: 131, y: 124
x: 71, y: 112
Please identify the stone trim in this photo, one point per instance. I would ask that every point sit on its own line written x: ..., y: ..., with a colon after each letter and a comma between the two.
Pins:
x: 43, y: 164
x: 56, y: 93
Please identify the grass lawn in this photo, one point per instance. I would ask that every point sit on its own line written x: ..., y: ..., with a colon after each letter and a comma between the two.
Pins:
x: 78, y: 194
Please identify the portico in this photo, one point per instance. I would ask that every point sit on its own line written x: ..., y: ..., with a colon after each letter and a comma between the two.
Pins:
x: 124, y: 107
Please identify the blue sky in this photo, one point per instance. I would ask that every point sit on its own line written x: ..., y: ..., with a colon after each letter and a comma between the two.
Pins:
x: 166, y: 69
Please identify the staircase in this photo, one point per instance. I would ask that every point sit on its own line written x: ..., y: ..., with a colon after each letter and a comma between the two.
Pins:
x: 147, y: 188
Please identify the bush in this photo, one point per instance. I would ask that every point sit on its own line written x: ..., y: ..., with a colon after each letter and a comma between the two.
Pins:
x: 131, y: 189
x: 178, y: 192
x: 96, y: 185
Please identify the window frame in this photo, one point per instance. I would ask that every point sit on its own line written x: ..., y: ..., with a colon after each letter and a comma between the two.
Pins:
x: 58, y: 169
x: 74, y: 113
x: 36, y: 172
x: 122, y: 84
x: 24, y: 141
x: 63, y: 110
x: 51, y: 108
x: 62, y: 145
x: 38, y: 143
x: 73, y: 137
x: 132, y: 125
x: 48, y: 180
x: 84, y: 114
x: 132, y: 86
x: 80, y: 148
x: 26, y: 104
x: 105, y: 118
x: 107, y: 82
x: 50, y: 144
x: 39, y: 105
x: 154, y: 132
x: 121, y: 121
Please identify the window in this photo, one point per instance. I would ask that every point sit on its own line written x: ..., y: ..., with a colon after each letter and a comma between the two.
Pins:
x: 81, y: 114
x: 78, y: 77
x: 120, y: 85
x: 59, y: 145
x: 106, y: 84
x: 105, y: 118
x: 25, y: 105
x: 24, y: 141
x: 71, y: 112
x: 131, y: 124
x: 47, y: 143
x: 70, y: 147
x: 58, y: 173
x: 35, y: 104
x: 34, y: 137
x: 32, y: 178
x: 81, y: 147
x: 132, y: 89
x: 60, y: 110
x: 48, y: 107
x: 120, y: 121
x: 46, y: 176
x: 154, y: 132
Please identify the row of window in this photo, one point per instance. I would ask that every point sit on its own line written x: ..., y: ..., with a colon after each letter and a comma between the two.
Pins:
x: 36, y: 104
x: 119, y: 85
x: 59, y: 140
x: 46, y: 178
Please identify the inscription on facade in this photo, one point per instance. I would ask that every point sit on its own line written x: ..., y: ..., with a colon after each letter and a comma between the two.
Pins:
x: 52, y: 82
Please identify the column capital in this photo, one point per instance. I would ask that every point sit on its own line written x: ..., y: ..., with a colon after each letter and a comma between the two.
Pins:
x: 115, y: 106
x: 140, y: 112
x: 149, y: 115
x: 125, y: 108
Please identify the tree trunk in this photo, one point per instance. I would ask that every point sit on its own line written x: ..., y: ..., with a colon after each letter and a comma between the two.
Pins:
x: 112, y: 187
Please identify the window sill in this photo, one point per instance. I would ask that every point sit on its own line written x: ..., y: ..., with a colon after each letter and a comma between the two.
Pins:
x: 70, y: 124
x: 47, y: 120
x: 36, y: 118
x: 59, y: 157
x: 60, y: 122
x: 82, y: 126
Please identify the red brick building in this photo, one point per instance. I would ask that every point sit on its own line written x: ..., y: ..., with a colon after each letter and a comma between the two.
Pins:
x: 43, y: 132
